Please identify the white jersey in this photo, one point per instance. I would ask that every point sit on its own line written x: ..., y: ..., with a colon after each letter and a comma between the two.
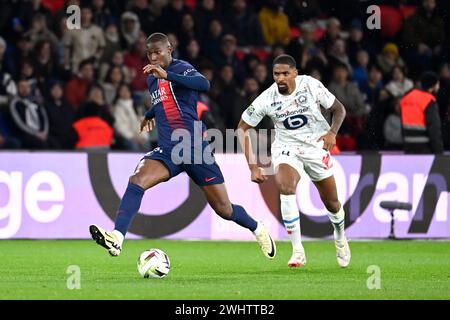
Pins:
x: 297, y: 117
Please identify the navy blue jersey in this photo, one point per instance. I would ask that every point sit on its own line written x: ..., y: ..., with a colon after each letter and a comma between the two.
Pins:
x: 174, y: 106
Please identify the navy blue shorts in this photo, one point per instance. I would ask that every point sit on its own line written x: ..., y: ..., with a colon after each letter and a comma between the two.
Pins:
x: 203, y: 173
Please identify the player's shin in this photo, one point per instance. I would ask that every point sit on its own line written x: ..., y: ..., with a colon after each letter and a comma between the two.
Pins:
x: 291, y: 220
x: 241, y: 217
x: 337, y: 220
x: 128, y: 208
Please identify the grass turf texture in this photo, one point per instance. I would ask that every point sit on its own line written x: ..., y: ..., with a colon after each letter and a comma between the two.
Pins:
x: 36, y: 269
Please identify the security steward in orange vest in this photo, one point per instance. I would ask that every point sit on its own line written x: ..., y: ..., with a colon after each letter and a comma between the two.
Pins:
x: 420, y: 117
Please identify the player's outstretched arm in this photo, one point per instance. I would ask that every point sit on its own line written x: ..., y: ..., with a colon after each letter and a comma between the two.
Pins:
x: 337, y: 109
x: 195, y: 81
x: 257, y: 173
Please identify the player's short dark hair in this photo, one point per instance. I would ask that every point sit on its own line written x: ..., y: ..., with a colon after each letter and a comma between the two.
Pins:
x: 285, y: 59
x: 157, y: 37
x: 428, y: 80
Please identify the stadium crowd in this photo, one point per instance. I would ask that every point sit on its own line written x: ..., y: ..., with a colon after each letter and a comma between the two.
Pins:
x: 77, y: 89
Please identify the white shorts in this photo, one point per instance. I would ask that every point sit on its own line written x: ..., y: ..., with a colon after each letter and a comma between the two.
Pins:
x: 316, y: 162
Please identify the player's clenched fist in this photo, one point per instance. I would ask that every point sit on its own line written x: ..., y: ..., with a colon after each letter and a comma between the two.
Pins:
x: 258, y: 175
x: 147, y: 124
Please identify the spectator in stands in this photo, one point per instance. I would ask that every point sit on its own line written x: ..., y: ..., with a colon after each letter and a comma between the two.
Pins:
x: 347, y: 92
x: 46, y: 64
x: 211, y: 43
x: 126, y: 121
x: 193, y: 54
x: 392, y: 128
x: 101, y: 14
x: 24, y: 51
x: 443, y: 100
x: 274, y: 23
x: 302, y: 10
x: 332, y: 34
x: 262, y: 77
x: 76, y: 89
x: 88, y: 43
x: 338, y: 55
x: 114, y: 79
x: 424, y: 32
x: 173, y: 40
x: 130, y: 29
x: 353, y: 100
x: 40, y: 32
x: 147, y: 19
x: 357, y: 42
x: 228, y: 56
x: 172, y: 14
x: 204, y: 13
x: 244, y: 24
x: 7, y: 85
x: 7, y: 141
x: 27, y: 72
x: 360, y: 73
x: 112, y: 43
x: 5, y: 65
x: 96, y: 105
x: 29, y: 119
x: 187, y: 32
x: 247, y: 95
x: 225, y: 92
x: 389, y: 58
x: 135, y: 61
x: 399, y: 84
x: 61, y: 117
x: 117, y: 60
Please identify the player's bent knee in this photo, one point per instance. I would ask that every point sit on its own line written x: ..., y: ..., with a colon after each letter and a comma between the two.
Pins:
x: 138, y: 180
x: 332, y: 205
x: 223, y: 209
x: 287, y: 188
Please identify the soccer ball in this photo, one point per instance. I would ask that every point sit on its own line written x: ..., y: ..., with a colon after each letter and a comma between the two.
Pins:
x: 153, y: 263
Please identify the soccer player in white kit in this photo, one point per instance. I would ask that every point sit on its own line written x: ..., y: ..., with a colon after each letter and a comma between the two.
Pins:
x: 303, y: 139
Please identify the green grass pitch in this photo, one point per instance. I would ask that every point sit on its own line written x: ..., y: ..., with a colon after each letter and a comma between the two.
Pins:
x: 37, y: 269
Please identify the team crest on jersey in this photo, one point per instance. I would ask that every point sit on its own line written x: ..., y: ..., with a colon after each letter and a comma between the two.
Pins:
x: 302, y: 99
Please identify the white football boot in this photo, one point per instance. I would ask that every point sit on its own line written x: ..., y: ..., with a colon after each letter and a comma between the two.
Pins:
x: 106, y: 239
x: 298, y: 259
x: 343, y: 254
x: 265, y: 241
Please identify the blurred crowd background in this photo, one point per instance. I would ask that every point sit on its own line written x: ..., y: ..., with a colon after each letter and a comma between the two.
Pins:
x: 59, y: 86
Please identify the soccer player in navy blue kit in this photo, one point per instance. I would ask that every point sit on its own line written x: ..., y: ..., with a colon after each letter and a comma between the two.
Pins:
x: 174, y: 87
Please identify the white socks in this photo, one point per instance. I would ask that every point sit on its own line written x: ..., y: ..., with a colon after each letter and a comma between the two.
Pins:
x: 119, y: 236
x: 291, y: 220
x: 337, y: 220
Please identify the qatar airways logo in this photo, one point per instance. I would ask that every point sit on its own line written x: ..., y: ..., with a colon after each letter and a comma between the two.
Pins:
x: 159, y: 95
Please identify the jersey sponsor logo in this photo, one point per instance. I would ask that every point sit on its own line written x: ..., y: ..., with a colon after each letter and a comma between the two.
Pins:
x: 159, y: 95
x: 289, y: 113
x: 295, y: 122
